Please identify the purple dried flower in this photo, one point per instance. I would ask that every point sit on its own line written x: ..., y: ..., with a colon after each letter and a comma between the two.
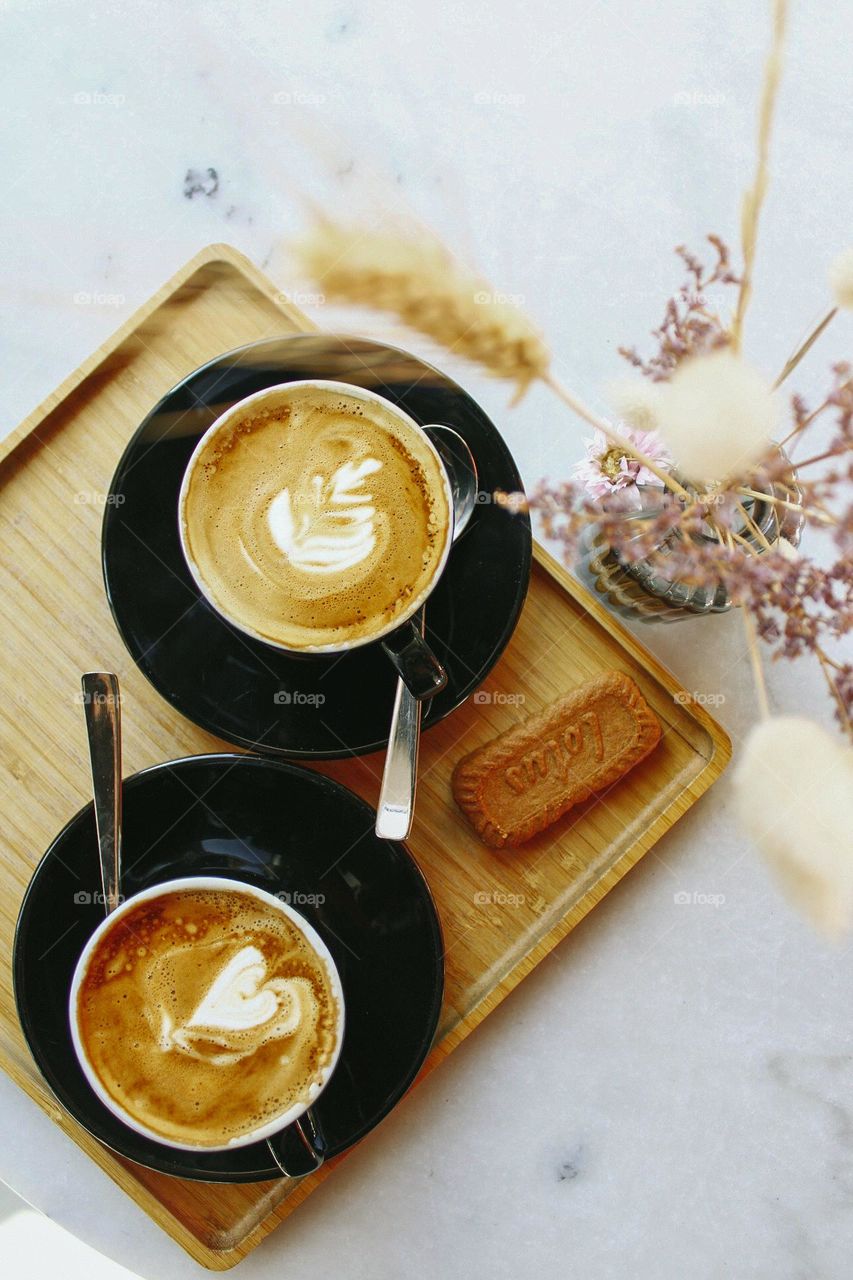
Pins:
x: 707, y: 540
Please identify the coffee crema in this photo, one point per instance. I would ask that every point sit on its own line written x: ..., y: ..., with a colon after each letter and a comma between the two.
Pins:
x: 206, y: 1014
x: 316, y: 519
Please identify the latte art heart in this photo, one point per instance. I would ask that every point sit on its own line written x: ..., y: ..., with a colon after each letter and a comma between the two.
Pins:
x: 236, y: 1000
x: 239, y: 1002
x: 206, y: 1012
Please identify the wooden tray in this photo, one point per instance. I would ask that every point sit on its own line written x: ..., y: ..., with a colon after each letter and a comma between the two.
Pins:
x: 501, y: 913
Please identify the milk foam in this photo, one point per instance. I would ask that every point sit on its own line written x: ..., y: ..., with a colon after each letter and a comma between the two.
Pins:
x: 241, y: 1000
x: 330, y: 527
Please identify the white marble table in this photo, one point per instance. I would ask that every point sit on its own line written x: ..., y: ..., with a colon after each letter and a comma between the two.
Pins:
x: 669, y: 1095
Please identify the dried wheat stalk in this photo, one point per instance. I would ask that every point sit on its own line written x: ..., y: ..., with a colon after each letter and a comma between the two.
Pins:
x: 417, y: 279
x: 754, y: 196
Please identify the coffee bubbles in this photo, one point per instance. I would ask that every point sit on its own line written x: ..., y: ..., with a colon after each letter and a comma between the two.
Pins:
x: 315, y: 518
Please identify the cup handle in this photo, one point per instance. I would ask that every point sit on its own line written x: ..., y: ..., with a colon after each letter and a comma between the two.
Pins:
x: 414, y: 661
x: 301, y: 1148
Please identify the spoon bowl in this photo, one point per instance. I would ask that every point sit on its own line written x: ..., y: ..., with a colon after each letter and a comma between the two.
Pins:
x: 461, y: 472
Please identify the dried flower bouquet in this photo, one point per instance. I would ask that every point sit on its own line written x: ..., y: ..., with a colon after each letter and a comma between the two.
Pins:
x: 699, y: 444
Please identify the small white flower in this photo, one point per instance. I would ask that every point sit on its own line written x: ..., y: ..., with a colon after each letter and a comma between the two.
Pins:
x: 717, y: 415
x: 794, y: 789
x: 841, y: 278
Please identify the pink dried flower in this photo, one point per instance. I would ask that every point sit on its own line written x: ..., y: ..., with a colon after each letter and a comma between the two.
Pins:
x: 717, y: 417
x: 690, y: 326
x: 606, y: 470
x: 844, y: 693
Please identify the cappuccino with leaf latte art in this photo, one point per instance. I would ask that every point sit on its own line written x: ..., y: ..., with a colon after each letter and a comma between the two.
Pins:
x: 315, y: 516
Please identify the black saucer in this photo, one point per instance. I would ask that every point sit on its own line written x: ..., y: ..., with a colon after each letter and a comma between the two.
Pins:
x: 247, y: 692
x: 280, y: 827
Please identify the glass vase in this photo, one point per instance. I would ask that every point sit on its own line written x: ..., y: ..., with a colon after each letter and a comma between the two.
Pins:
x: 644, y: 590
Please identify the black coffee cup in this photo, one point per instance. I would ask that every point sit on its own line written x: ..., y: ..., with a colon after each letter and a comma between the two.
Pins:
x: 402, y: 639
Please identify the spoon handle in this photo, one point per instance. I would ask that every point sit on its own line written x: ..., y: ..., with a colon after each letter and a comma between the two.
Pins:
x: 103, y: 725
x: 400, y: 776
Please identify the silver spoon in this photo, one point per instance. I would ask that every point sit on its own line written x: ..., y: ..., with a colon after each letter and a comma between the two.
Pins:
x: 103, y: 724
x: 396, y: 808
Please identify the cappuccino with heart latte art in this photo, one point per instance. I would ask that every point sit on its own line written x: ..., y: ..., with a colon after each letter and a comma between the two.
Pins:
x: 206, y: 1014
x: 315, y: 516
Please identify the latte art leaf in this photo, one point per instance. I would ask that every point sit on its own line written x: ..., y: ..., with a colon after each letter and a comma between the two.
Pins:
x: 330, y: 528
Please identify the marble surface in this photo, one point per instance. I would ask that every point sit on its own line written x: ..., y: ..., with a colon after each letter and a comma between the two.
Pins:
x: 669, y: 1095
